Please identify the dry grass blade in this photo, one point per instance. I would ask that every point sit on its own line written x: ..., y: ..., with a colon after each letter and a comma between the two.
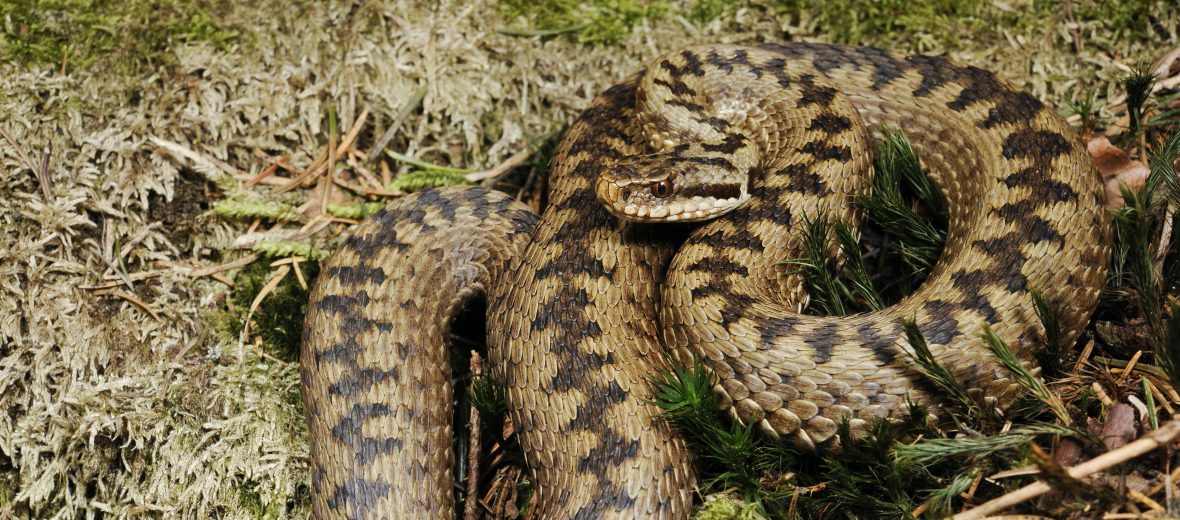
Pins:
x: 43, y: 173
x: 262, y: 294
x: 352, y: 133
x: 318, y: 166
x: 299, y: 271
x: 135, y: 301
x: 365, y: 190
x: 241, y: 262
x: 110, y: 284
x: 1163, y: 436
x: 111, y: 267
x: 410, y: 105
x: 214, y: 171
x: 499, y: 170
x: 24, y: 155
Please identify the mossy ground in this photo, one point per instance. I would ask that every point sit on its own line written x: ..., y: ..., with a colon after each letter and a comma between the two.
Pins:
x: 118, y: 412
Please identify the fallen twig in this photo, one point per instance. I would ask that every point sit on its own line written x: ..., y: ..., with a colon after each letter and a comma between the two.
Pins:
x: 1164, y: 435
x: 352, y: 133
x: 502, y: 168
x: 266, y: 172
x: 135, y: 301
x: 470, y: 509
x: 319, y: 165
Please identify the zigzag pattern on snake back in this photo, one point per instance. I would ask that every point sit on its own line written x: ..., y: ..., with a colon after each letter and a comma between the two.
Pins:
x: 573, y: 328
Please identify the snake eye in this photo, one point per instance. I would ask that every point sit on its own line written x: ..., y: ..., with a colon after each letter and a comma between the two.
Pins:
x: 662, y: 189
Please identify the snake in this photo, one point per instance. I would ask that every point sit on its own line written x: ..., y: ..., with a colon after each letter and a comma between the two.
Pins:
x: 673, y: 201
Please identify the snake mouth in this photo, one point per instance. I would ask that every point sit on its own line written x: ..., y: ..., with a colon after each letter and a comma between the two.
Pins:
x: 619, y: 200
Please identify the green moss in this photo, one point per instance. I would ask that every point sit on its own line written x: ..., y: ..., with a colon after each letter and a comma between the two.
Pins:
x: 6, y: 493
x: 422, y: 179
x: 725, y: 508
x: 251, y: 501
x: 1123, y: 18
x: 249, y: 210
x: 888, y: 21
x: 286, y: 248
x: 279, y: 318
x: 128, y: 34
x: 594, y: 21
x: 358, y: 211
x: 706, y: 10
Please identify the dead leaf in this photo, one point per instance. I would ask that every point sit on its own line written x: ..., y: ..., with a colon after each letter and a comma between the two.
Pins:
x: 1167, y: 65
x: 1119, y: 429
x: 1116, y: 169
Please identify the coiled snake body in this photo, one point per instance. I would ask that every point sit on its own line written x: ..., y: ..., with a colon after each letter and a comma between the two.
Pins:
x: 580, y: 314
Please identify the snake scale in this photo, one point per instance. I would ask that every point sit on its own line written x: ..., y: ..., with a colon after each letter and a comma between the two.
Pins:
x: 585, y: 306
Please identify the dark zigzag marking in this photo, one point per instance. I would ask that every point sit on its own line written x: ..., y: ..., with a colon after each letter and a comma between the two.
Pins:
x: 827, y: 152
x: 802, y: 180
x: 830, y: 123
x: 349, y: 430
x: 719, y: 266
x: 677, y: 88
x: 359, y: 379
x: 343, y: 304
x: 823, y: 340
x: 972, y: 284
x: 607, y: 497
x: 716, y: 239
x: 611, y: 451
x: 942, y: 327
x: 813, y: 94
x: 588, y: 414
x: 730, y: 145
x: 687, y: 105
x: 361, y: 494
x: 882, y: 343
x: 357, y: 274
x: 345, y: 350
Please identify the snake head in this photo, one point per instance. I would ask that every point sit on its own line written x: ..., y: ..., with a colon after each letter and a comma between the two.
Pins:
x: 672, y: 187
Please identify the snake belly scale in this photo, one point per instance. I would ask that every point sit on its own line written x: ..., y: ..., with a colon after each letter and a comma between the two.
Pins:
x: 584, y: 307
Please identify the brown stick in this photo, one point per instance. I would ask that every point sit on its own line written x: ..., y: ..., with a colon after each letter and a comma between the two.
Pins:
x: 274, y: 166
x: 1163, y: 436
x: 317, y: 166
x: 470, y: 508
x: 502, y: 168
x: 352, y: 133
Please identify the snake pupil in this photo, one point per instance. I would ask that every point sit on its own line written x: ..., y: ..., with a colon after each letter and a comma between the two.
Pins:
x: 662, y: 189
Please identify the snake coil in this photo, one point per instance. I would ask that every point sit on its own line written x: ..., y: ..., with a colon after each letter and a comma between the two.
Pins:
x: 583, y: 309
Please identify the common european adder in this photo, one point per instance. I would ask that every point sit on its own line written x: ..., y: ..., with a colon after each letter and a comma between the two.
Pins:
x: 584, y: 305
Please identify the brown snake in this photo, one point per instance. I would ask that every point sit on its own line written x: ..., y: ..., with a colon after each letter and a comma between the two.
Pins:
x: 580, y: 315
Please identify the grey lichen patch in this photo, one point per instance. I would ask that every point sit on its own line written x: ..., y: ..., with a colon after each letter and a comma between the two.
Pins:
x: 115, y: 411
